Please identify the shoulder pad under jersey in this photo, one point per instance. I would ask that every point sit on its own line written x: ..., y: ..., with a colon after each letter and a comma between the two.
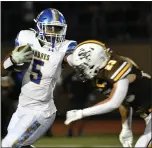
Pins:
x: 69, y: 45
x: 24, y: 37
x: 72, y: 44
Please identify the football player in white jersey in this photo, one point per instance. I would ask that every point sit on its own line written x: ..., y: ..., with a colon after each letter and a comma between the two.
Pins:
x: 36, y: 110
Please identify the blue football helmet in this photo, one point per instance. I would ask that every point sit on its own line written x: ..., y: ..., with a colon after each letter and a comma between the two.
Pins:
x: 51, y: 27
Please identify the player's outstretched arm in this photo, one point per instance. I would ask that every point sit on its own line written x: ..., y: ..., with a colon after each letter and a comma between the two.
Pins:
x: 126, y: 135
x: 115, y: 99
x: 69, y: 53
x: 16, y: 57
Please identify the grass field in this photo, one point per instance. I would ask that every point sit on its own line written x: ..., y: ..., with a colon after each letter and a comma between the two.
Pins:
x: 108, y: 140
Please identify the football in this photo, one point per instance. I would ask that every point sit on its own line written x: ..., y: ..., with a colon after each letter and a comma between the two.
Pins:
x: 22, y: 66
x: 21, y: 48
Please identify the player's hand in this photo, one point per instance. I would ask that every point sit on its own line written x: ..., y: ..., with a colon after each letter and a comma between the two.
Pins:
x: 126, y: 137
x: 22, y: 56
x: 73, y: 115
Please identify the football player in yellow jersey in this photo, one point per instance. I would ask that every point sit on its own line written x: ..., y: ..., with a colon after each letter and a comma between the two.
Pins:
x: 129, y: 85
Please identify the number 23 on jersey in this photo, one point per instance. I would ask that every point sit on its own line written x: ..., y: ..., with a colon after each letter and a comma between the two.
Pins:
x: 110, y: 65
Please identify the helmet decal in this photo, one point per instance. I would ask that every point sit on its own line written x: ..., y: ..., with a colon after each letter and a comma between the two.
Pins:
x: 89, y: 57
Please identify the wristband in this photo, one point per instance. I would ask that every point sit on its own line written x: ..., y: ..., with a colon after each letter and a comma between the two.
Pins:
x: 8, y: 63
x: 13, y: 61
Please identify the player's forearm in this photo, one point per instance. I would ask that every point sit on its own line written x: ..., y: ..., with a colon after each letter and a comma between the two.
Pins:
x: 126, y: 116
x: 4, y: 72
x: 123, y: 112
x: 6, y: 65
x: 100, y: 108
x: 113, y: 102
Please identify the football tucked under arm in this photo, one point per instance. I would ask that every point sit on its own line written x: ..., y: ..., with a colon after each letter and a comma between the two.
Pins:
x: 18, y: 57
x: 22, y: 54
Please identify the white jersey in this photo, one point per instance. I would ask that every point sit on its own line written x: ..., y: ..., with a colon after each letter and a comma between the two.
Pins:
x: 45, y: 69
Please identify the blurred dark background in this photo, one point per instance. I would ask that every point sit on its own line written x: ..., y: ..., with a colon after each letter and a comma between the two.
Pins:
x: 106, y: 21
x: 126, y: 27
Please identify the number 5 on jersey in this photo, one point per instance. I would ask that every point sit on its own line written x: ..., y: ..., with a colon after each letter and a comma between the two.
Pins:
x: 36, y: 73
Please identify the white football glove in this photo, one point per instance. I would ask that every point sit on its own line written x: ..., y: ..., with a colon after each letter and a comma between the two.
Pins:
x: 126, y: 137
x: 20, y: 57
x: 73, y: 115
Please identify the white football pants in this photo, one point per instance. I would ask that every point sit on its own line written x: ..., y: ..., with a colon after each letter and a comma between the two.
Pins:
x: 26, y: 127
x: 145, y: 139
